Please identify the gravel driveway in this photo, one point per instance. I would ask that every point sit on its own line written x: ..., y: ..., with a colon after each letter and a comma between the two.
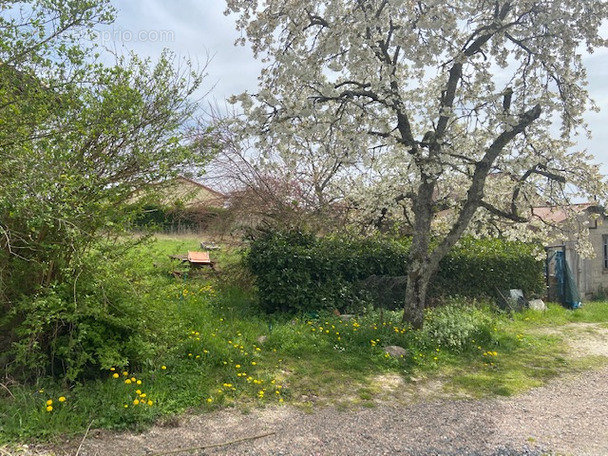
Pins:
x: 568, y: 416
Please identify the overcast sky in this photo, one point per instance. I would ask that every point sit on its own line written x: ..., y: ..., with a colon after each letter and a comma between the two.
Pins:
x: 198, y: 29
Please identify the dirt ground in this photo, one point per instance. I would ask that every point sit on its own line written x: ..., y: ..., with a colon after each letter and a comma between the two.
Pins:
x: 568, y: 416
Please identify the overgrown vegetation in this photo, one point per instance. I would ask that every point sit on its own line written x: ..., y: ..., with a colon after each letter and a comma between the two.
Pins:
x: 78, y: 140
x: 299, y: 272
x: 195, y: 341
x: 177, y: 218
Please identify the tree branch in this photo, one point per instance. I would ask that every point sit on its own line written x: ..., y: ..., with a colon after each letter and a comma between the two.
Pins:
x: 503, y: 214
x: 475, y: 193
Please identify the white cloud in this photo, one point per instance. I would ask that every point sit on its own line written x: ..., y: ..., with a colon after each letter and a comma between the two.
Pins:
x: 197, y: 30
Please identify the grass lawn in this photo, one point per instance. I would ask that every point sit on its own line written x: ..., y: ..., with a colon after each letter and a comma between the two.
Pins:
x: 219, y: 351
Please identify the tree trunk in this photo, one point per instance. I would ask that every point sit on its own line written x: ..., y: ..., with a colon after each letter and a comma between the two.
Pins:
x: 415, y: 293
x: 419, y: 268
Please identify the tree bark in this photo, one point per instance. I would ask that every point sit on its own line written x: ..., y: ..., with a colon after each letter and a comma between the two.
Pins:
x: 415, y: 293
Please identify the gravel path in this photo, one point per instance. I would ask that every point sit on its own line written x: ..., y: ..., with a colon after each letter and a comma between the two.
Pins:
x: 568, y: 416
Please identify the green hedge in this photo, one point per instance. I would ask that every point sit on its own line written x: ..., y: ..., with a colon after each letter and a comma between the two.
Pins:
x: 298, y: 272
x: 176, y: 219
x: 485, y: 267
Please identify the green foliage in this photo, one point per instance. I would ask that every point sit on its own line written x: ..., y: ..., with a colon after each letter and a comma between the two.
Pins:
x: 77, y: 140
x: 103, y: 317
x: 298, y: 272
x: 205, y: 348
x: 482, y: 267
x: 458, y: 326
x: 174, y: 219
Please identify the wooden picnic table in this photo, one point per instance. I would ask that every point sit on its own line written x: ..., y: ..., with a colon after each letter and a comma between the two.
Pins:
x: 195, y: 259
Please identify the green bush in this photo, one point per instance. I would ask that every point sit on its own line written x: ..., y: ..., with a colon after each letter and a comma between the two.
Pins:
x: 458, y: 326
x: 176, y: 218
x: 100, y: 319
x: 298, y: 272
x: 487, y: 267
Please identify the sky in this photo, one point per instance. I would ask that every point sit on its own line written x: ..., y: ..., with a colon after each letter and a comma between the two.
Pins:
x: 198, y: 30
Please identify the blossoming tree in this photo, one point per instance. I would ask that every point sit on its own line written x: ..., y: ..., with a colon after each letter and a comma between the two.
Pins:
x: 432, y: 97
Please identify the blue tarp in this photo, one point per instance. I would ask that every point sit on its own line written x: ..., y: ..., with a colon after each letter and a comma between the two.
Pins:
x: 567, y: 291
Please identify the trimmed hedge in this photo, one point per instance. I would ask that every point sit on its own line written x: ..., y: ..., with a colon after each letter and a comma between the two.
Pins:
x: 485, y: 267
x: 298, y: 272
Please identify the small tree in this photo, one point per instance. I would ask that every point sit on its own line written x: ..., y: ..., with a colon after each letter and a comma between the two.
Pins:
x: 77, y: 141
x: 436, y: 97
x: 291, y: 184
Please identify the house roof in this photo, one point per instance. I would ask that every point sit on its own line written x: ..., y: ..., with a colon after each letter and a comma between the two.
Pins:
x: 202, y: 186
x: 554, y: 214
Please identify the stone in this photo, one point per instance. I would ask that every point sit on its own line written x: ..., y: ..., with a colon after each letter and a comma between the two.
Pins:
x: 395, y: 351
x: 537, y: 304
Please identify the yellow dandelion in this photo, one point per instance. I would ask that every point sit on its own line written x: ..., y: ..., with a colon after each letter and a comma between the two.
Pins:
x: 128, y: 381
x: 150, y: 403
x: 49, y: 402
x: 115, y: 375
x: 49, y: 408
x: 61, y: 399
x: 137, y: 391
x: 133, y: 379
x: 112, y: 369
x: 135, y: 401
x: 163, y: 367
x: 209, y: 400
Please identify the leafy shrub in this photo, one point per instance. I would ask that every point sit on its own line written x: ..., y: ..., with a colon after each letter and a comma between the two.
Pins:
x: 298, y: 272
x: 485, y: 267
x: 458, y: 326
x: 175, y: 218
x: 102, y: 318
